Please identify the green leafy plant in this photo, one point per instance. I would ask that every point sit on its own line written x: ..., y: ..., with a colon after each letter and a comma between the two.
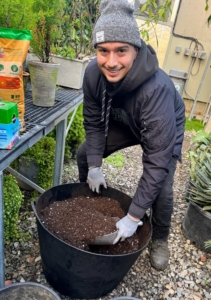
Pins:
x: 76, y: 133
x: 79, y: 17
x: 206, y: 8
x: 75, y: 136
x: 42, y: 153
x: 65, y: 51
x: 155, y: 13
x: 47, y: 21
x: 208, y: 244
x: 116, y: 160
x: 16, y: 14
x: 200, y: 170
x: 12, y: 202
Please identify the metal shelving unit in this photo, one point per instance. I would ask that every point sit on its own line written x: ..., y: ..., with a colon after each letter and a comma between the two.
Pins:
x: 39, y: 122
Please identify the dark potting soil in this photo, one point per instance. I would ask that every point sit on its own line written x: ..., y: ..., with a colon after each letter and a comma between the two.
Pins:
x: 77, y: 221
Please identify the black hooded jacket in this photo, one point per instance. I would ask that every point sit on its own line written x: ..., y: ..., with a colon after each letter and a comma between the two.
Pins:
x: 155, y: 114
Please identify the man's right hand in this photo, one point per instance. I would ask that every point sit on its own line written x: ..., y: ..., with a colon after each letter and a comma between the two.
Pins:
x: 95, y: 179
x: 126, y: 227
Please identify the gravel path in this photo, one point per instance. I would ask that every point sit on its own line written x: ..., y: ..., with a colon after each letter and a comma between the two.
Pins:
x: 188, y: 275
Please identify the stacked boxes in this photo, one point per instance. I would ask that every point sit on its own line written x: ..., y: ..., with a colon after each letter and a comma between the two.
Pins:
x: 9, y: 125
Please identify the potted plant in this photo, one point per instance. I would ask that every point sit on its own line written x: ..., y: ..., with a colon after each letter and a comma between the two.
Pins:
x: 71, y: 71
x: 75, y: 45
x: 197, y: 220
x: 47, y: 18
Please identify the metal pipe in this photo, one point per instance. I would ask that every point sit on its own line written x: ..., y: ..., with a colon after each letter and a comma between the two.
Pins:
x: 199, y: 88
x: 71, y: 120
x: 189, y: 70
x: 59, y: 152
x: 26, y: 180
x: 2, y: 280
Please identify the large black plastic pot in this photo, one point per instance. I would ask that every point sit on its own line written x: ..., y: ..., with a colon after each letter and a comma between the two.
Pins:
x: 27, y: 291
x: 196, y: 226
x: 75, y: 272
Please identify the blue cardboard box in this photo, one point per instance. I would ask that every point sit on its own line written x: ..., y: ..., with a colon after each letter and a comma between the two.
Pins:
x: 9, y: 125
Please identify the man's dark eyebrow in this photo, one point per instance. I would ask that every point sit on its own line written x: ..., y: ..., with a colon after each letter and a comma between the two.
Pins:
x: 100, y: 47
x: 121, y: 47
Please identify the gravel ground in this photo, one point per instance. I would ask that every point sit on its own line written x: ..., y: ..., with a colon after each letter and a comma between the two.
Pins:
x: 188, y: 275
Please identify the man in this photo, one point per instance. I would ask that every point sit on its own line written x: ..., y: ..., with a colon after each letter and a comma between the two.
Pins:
x: 128, y: 101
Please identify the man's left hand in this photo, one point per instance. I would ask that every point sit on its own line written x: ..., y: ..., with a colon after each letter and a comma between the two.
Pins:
x: 95, y: 179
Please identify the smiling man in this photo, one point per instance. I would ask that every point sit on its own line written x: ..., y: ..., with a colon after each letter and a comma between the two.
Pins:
x: 129, y: 100
x: 115, y: 60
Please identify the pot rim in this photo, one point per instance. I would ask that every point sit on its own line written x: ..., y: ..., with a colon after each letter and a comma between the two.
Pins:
x: 33, y: 204
x: 38, y: 62
x: 30, y: 283
x: 200, y: 209
x: 82, y: 61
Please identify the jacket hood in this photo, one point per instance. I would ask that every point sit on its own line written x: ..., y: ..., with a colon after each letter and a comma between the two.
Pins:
x: 144, y: 66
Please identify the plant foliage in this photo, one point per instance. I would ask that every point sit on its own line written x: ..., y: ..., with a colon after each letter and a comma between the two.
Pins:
x: 43, y: 154
x: 195, y: 125
x: 115, y: 159
x: 208, y: 244
x: 76, y: 133
x: 200, y: 170
x: 16, y: 14
x: 47, y: 20
x: 75, y: 136
x: 79, y: 17
x: 206, y: 8
x: 12, y: 203
x: 155, y: 13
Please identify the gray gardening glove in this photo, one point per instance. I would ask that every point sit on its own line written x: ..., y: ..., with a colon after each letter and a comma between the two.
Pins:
x: 95, y: 179
x: 126, y: 228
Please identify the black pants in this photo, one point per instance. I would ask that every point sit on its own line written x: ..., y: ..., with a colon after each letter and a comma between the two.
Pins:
x: 162, y: 208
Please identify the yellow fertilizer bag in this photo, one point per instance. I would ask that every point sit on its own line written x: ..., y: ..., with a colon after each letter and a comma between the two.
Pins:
x: 14, y: 44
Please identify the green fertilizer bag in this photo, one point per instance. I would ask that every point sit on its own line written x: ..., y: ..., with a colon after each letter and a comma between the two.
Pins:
x: 14, y: 46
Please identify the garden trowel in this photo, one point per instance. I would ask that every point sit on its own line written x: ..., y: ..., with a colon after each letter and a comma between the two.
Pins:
x: 108, y: 239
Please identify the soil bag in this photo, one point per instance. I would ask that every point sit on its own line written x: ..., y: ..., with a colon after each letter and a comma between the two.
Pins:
x: 14, y: 46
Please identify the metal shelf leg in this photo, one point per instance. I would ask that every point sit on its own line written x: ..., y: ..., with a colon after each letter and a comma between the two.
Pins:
x: 2, y: 279
x: 59, y: 155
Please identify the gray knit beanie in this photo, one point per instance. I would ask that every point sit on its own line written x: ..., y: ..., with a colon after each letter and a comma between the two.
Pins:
x: 116, y: 24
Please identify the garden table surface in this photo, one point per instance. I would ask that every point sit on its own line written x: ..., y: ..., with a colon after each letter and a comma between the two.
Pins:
x: 39, y: 122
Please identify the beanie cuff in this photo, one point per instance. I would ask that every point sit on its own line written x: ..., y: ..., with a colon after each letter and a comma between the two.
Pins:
x: 116, y: 24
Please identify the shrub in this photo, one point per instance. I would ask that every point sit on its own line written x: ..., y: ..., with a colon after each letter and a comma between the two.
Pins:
x: 75, y: 136
x: 12, y: 203
x: 42, y: 153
